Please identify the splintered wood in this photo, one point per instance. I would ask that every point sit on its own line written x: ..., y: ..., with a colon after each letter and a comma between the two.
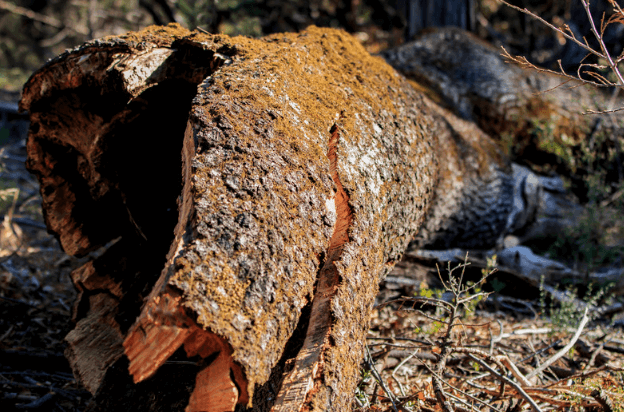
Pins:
x: 166, y: 328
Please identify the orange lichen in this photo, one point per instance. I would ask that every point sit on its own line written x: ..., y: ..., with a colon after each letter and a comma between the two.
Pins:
x: 299, y: 91
x: 161, y: 36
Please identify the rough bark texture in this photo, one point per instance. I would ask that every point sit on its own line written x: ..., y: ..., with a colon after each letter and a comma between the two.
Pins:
x: 245, y: 197
x: 475, y: 192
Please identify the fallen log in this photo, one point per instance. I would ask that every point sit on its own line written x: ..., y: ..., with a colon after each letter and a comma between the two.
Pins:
x: 241, y: 199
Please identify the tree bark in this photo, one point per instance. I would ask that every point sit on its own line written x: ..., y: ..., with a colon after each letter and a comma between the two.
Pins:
x: 241, y: 200
x: 422, y: 14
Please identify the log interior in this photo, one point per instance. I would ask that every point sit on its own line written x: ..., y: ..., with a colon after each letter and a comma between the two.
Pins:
x: 108, y: 153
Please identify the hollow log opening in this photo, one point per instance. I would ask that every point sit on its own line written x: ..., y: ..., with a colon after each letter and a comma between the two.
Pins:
x: 136, y: 175
x: 107, y: 149
x: 145, y: 156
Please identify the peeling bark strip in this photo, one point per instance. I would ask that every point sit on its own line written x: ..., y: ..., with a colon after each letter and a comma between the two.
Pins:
x: 308, y: 365
x: 200, y: 169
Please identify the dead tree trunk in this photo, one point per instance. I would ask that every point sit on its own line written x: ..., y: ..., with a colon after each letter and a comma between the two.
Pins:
x: 241, y: 199
x: 537, y: 115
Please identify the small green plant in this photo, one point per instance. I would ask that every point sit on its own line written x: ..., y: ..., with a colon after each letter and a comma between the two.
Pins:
x: 587, y: 241
x: 8, y: 199
x: 552, y: 142
x: 466, y: 296
x: 475, y: 366
x: 360, y: 395
x: 471, y: 306
x: 567, y: 313
x: 490, y: 266
x: 427, y: 292
x: 469, y: 289
x: 434, y: 328
x: 497, y: 285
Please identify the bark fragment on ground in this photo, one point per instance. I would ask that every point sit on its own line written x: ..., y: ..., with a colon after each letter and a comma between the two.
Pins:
x: 234, y: 184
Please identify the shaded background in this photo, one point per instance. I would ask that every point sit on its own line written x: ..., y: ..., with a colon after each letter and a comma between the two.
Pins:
x: 32, y: 31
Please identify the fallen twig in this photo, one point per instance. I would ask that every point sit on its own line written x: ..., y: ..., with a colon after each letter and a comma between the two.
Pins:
x: 509, y: 381
x: 380, y: 382
x: 565, y: 349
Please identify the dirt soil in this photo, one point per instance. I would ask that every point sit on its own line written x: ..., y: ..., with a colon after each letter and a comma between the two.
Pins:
x: 36, y: 295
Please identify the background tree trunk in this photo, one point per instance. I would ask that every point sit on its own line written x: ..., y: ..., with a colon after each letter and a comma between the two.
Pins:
x: 535, y: 115
x: 420, y: 14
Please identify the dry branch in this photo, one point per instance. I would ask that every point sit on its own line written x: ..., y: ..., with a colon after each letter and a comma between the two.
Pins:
x: 612, y: 64
x: 564, y: 350
x: 28, y: 13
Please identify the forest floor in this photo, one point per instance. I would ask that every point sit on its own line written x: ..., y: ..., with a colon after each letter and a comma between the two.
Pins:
x: 504, y: 353
x: 36, y: 295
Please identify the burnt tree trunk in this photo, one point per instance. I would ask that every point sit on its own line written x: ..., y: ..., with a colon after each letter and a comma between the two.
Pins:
x: 538, y: 116
x: 241, y: 199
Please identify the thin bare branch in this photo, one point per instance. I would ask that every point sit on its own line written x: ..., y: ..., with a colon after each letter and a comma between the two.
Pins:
x: 619, y: 109
x: 371, y: 366
x: 426, y: 301
x: 565, y: 349
x: 598, y: 76
x: 472, y: 297
x: 523, y: 62
x: 50, y: 21
x: 509, y: 381
x: 580, y: 375
x: 605, y: 54
x: 555, y: 28
x: 514, y: 370
x: 437, y: 376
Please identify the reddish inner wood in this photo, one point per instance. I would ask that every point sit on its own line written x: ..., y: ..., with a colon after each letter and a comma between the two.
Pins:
x: 165, y: 327
x: 300, y: 382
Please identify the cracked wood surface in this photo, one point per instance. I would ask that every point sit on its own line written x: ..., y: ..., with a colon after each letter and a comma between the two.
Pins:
x: 300, y: 382
x: 232, y: 185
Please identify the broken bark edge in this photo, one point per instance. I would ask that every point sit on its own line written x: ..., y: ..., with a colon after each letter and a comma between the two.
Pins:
x: 164, y: 326
x: 110, y: 114
x: 163, y: 329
